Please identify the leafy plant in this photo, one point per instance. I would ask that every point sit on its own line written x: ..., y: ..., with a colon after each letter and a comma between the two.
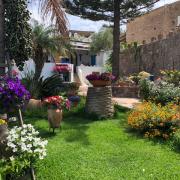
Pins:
x: 176, y: 139
x: 18, y: 41
x: 171, y: 76
x: 26, y: 148
x: 155, y: 120
x: 43, y: 87
x: 160, y: 92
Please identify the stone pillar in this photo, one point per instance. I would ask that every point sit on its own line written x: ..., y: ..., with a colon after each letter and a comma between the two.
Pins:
x: 99, y: 101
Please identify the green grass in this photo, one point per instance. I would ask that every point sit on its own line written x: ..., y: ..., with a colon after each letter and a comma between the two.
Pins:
x: 85, y: 149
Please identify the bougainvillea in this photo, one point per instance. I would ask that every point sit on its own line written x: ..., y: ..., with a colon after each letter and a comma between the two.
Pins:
x: 62, y: 68
x: 13, y: 94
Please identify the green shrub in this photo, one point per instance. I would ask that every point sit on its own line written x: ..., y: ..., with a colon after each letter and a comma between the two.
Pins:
x: 44, y: 87
x: 176, y: 139
x: 36, y: 113
x: 171, y: 76
x: 160, y: 92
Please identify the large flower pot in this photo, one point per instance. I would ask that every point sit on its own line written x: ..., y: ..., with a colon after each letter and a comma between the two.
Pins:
x: 34, y: 104
x: 100, y: 83
x: 54, y: 118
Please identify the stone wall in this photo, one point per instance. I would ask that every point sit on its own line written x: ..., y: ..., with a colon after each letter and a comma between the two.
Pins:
x: 125, y: 92
x: 153, y: 57
x: 155, y: 25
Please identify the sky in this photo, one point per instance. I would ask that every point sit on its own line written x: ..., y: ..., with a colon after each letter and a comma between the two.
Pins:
x: 76, y: 23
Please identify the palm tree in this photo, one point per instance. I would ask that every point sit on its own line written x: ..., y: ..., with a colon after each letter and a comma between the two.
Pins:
x: 48, y: 7
x: 46, y: 42
x: 54, y: 8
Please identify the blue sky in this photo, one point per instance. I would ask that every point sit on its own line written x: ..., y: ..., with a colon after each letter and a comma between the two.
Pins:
x: 77, y: 23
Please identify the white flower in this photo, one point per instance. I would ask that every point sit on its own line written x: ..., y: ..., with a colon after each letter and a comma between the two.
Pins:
x: 11, y: 158
x: 15, y: 150
x: 24, y: 140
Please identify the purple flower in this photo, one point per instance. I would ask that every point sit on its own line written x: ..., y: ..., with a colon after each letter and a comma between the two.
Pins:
x: 13, y: 94
x: 103, y: 76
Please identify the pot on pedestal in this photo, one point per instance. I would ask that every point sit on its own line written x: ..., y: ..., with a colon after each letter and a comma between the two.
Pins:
x: 54, y: 118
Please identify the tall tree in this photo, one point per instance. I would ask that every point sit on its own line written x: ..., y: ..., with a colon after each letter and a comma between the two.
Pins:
x: 17, y: 31
x: 46, y: 42
x: 115, y: 11
x: 102, y: 40
x: 51, y: 8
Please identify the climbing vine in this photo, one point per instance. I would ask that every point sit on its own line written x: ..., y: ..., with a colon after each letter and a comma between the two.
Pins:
x: 17, y: 31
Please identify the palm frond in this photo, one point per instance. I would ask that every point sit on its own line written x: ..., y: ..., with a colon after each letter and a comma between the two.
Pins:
x: 54, y: 8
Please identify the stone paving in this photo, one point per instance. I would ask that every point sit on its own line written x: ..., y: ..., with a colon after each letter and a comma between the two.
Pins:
x: 125, y: 102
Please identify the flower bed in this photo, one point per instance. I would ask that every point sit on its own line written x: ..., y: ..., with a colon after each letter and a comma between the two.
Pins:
x: 155, y: 120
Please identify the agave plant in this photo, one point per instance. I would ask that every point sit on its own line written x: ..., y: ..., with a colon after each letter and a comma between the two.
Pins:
x: 43, y: 87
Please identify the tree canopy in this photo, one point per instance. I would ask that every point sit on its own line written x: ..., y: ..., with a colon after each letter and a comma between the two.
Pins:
x: 103, y: 9
x: 17, y: 31
x: 103, y: 40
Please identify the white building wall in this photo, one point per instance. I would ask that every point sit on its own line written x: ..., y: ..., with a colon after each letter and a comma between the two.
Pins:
x: 102, y: 57
x: 47, y: 71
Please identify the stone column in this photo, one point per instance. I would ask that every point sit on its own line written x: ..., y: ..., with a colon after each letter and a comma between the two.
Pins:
x: 99, y: 101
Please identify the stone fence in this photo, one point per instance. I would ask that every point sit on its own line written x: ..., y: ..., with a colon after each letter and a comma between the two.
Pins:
x: 153, y: 57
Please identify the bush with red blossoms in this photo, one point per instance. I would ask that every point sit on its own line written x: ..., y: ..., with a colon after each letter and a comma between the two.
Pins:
x: 13, y: 95
x: 103, y: 77
x: 63, y: 68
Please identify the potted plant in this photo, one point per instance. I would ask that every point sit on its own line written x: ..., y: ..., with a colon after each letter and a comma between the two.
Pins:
x: 25, y: 149
x: 55, y: 106
x: 100, y: 80
x: 74, y: 99
x: 13, y: 95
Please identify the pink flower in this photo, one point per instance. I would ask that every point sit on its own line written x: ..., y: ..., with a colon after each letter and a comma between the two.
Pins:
x: 14, y: 73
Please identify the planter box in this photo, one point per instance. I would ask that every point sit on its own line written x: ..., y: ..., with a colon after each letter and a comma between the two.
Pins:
x: 100, y: 83
x: 125, y: 91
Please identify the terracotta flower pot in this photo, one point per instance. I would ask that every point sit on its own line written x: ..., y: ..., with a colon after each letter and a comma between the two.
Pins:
x: 100, y: 83
x: 33, y: 104
x: 54, y: 118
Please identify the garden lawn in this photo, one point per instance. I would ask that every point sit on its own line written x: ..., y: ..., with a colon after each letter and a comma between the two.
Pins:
x: 103, y: 150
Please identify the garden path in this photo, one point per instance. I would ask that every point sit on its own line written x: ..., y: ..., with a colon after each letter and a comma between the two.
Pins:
x: 125, y: 102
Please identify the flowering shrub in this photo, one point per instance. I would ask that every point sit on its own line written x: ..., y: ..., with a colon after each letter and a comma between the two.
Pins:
x: 26, y: 148
x: 2, y: 122
x: 13, y: 94
x: 103, y: 77
x: 171, y: 76
x: 139, y: 76
x: 57, y: 102
x: 62, y: 68
x: 155, y: 120
x: 160, y: 92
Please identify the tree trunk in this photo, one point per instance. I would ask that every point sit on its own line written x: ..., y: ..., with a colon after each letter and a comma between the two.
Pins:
x: 2, y: 53
x: 116, y: 40
x: 39, y: 63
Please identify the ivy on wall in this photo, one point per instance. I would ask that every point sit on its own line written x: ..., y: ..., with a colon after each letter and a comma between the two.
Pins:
x: 17, y: 31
